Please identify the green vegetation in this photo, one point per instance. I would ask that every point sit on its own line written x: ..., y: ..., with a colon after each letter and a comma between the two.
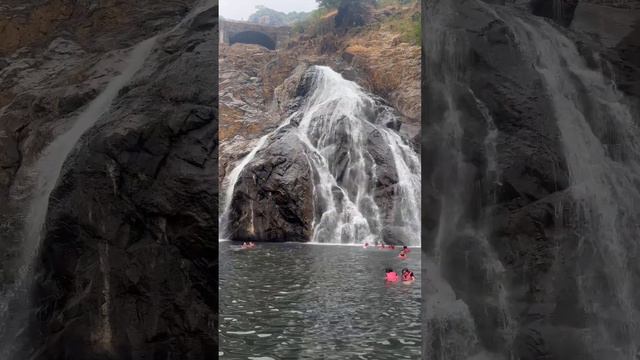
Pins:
x: 408, y: 26
x: 330, y: 4
x: 313, y: 24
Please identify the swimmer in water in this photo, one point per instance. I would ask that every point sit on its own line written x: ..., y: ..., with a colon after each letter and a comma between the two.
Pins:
x: 406, y: 249
x: 366, y: 245
x: 402, y: 255
x: 248, y: 245
x: 391, y: 275
x: 407, y: 275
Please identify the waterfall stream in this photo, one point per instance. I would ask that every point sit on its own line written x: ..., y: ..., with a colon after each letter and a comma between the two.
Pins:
x: 45, y: 174
x: 336, y: 123
x: 597, y: 138
x: 601, y: 145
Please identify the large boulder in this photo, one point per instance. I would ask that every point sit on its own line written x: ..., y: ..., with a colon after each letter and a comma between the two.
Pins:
x: 273, y: 197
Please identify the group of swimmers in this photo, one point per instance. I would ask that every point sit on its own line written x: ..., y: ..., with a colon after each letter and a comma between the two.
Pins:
x: 392, y: 276
x: 403, y: 254
x: 248, y: 245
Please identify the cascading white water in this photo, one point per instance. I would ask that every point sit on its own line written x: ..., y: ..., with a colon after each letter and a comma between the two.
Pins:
x: 456, y: 314
x: 336, y: 121
x: 604, y: 178
x: 490, y: 141
x: 338, y: 107
x: 599, y: 136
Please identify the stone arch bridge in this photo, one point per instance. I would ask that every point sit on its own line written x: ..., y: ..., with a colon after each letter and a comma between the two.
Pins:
x: 271, y: 37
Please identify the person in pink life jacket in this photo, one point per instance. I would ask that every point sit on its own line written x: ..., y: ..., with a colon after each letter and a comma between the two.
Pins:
x: 407, y: 275
x: 248, y: 245
x: 391, y: 275
x: 402, y: 255
x: 366, y: 245
x: 406, y: 249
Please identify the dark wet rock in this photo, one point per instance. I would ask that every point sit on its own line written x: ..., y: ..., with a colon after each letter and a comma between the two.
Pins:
x: 129, y: 255
x: 628, y: 66
x: 610, y: 31
x: 119, y: 24
x: 273, y: 198
x: 385, y: 186
x: 559, y: 10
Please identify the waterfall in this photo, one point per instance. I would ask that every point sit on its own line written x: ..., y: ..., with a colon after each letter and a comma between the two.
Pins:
x: 583, y: 300
x: 466, y: 280
x: 49, y: 166
x: 601, y: 143
x: 336, y: 124
x: 45, y: 174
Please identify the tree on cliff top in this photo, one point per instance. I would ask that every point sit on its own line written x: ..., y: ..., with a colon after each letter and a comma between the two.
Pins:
x: 330, y: 4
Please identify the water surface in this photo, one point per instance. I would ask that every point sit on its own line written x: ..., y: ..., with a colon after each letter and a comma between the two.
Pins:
x: 302, y: 301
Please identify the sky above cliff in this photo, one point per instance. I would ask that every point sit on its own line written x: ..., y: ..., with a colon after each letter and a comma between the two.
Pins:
x: 241, y: 9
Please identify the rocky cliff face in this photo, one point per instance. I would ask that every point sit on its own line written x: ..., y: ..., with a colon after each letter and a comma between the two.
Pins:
x: 55, y: 58
x: 273, y: 199
x: 129, y: 248
x: 99, y: 27
x: 613, y: 32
